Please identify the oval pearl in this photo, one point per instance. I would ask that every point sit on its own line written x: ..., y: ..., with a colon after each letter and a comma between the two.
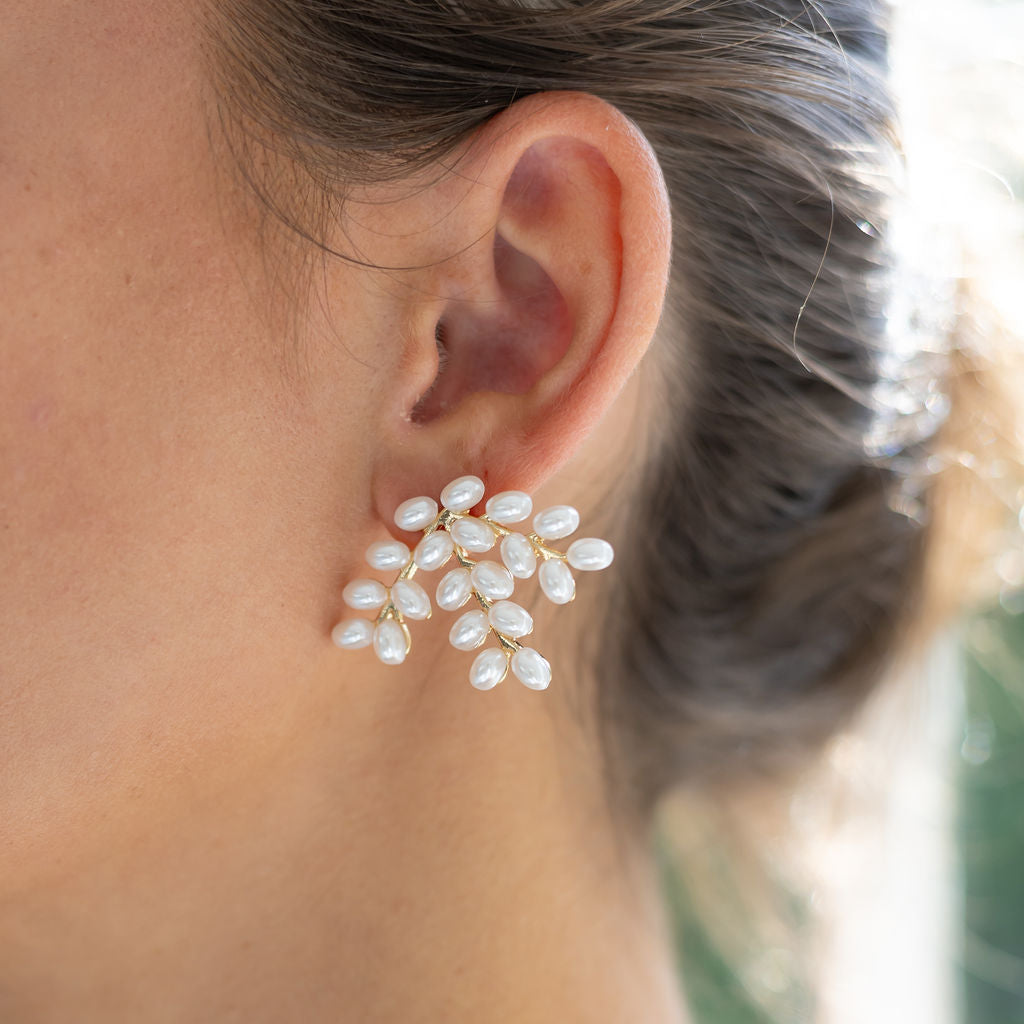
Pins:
x: 387, y: 554
x: 472, y: 534
x: 352, y: 634
x: 509, y: 507
x: 416, y: 514
x: 433, y: 551
x: 511, y: 619
x: 389, y: 642
x: 488, y: 669
x: 470, y: 630
x: 492, y: 580
x: 454, y: 589
x: 410, y: 599
x: 590, y: 554
x: 556, y: 522
x: 556, y: 580
x: 364, y: 594
x: 518, y: 554
x: 462, y: 494
x: 531, y: 669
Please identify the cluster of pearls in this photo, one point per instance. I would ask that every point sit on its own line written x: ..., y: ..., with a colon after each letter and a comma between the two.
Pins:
x: 449, y: 531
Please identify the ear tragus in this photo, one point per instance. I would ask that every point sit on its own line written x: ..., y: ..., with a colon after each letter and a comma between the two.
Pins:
x: 429, y: 405
x: 504, y: 344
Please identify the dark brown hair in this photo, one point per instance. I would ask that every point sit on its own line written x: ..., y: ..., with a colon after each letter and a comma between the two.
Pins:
x: 784, y: 504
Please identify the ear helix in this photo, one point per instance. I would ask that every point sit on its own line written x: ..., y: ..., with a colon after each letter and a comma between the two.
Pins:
x: 451, y: 532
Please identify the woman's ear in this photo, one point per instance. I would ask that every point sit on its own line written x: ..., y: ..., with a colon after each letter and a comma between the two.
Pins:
x: 537, y: 290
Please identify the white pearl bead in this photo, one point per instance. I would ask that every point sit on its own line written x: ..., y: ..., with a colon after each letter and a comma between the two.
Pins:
x: 410, y: 599
x: 389, y: 642
x: 352, y: 634
x: 556, y: 522
x: 470, y: 630
x: 472, y: 534
x: 518, y: 554
x: 416, y: 514
x: 454, y: 589
x: 511, y: 619
x: 462, y: 494
x: 387, y: 554
x: 433, y: 551
x: 590, y: 554
x: 556, y: 580
x: 364, y: 594
x: 492, y: 580
x: 488, y: 669
x: 509, y: 507
x: 531, y: 668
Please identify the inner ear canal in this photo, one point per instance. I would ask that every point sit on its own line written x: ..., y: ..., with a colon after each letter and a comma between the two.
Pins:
x: 504, y: 345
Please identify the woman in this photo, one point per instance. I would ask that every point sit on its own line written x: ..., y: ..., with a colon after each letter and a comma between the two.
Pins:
x: 270, y: 269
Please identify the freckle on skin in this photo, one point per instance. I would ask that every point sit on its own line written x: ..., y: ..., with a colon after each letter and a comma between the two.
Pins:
x: 127, y: 278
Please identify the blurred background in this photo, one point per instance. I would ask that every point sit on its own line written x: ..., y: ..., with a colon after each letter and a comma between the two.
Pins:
x: 890, y: 887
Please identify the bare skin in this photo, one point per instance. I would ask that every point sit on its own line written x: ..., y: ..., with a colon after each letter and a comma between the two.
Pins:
x: 208, y: 812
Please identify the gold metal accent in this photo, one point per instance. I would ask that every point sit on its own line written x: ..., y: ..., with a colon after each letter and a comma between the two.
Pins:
x: 498, y: 528
x: 543, y: 550
x: 508, y: 645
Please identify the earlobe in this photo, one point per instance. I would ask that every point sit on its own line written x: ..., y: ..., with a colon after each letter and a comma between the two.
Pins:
x: 552, y: 302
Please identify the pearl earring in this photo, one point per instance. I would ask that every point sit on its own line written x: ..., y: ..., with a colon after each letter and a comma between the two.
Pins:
x: 450, y: 531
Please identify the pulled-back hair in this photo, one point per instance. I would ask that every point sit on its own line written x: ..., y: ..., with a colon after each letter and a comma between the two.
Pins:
x: 784, y: 515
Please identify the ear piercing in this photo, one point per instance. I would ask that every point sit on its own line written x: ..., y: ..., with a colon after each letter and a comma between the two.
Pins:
x: 449, y: 531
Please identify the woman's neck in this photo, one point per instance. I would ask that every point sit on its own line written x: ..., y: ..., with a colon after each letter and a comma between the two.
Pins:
x: 468, y: 875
